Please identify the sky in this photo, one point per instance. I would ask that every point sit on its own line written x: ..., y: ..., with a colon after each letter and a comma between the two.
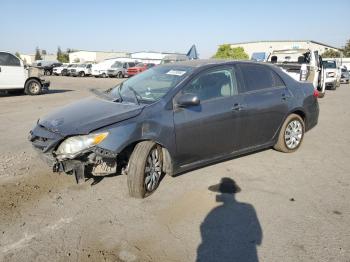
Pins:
x: 172, y: 26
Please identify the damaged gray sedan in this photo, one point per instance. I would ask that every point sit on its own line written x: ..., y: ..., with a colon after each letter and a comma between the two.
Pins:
x: 174, y: 118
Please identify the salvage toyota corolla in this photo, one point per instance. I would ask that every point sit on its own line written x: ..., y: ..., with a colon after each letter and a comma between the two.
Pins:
x: 177, y: 117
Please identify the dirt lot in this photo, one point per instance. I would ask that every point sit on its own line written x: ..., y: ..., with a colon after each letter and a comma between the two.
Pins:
x: 291, y: 207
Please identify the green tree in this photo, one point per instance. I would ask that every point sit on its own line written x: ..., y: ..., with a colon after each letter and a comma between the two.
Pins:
x: 346, y: 49
x: 18, y: 55
x: 227, y: 52
x: 330, y: 53
x: 37, y: 54
x: 63, y: 57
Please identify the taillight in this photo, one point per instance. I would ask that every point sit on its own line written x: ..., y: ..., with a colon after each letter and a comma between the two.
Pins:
x: 316, y: 93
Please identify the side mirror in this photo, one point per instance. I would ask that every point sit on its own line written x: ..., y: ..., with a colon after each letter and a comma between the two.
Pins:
x: 188, y: 100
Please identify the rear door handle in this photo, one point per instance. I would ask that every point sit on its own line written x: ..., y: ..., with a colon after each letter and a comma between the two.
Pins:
x: 237, y: 107
x: 285, y: 96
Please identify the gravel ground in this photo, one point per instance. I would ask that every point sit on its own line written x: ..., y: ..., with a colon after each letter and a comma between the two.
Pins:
x: 291, y: 207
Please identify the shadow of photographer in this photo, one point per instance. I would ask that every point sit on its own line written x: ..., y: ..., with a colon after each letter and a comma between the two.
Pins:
x: 231, y: 231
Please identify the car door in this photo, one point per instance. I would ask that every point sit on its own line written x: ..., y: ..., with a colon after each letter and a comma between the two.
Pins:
x: 12, y: 74
x: 210, y: 129
x: 265, y: 104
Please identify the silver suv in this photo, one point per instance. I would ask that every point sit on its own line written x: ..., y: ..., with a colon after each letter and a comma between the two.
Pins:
x: 119, y: 69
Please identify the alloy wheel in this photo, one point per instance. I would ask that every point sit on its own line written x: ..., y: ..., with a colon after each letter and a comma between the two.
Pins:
x: 293, y: 134
x: 153, y: 169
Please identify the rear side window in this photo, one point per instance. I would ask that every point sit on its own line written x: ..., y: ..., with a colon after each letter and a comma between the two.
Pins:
x: 9, y: 60
x: 259, y: 77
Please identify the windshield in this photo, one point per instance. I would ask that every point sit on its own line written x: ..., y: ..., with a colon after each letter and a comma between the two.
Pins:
x: 329, y: 64
x: 117, y: 65
x: 151, y: 85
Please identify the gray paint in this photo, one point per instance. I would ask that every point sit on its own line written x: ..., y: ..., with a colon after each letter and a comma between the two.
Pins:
x: 196, y: 135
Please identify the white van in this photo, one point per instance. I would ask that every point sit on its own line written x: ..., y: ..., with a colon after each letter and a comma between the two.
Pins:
x: 14, y: 76
x: 101, y: 69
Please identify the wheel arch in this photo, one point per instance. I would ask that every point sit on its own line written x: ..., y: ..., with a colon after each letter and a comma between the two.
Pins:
x: 298, y: 111
x: 31, y: 78
x: 125, y: 154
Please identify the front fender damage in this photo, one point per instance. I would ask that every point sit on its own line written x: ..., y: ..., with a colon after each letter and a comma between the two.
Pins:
x: 95, y: 162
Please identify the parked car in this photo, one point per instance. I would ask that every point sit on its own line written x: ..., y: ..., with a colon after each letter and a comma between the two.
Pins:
x: 345, y: 75
x: 48, y: 67
x: 303, y: 65
x: 71, y: 69
x: 101, y: 69
x: 64, y: 71
x: 176, y: 117
x: 58, y: 69
x: 119, y: 69
x: 138, y: 68
x: 332, y: 74
x: 81, y: 70
x: 16, y: 77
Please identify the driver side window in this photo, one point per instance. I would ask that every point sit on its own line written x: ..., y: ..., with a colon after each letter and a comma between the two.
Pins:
x: 213, y: 84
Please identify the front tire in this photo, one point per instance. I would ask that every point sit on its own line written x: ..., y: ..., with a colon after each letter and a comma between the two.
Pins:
x: 82, y: 74
x: 291, y: 134
x: 33, y: 87
x: 47, y: 72
x: 144, y: 169
x: 120, y: 75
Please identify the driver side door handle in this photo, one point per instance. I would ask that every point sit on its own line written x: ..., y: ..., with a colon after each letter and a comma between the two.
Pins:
x: 237, y: 107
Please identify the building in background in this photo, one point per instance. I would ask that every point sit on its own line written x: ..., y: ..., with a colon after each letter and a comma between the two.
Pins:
x: 261, y: 47
x: 29, y: 59
x: 83, y: 56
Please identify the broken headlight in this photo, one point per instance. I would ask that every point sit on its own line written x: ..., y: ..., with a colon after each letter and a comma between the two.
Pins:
x: 75, y: 144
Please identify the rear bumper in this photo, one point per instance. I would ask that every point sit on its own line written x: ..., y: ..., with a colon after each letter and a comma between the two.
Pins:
x: 312, y: 117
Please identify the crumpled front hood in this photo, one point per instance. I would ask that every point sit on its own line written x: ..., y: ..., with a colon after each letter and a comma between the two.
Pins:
x: 88, y: 114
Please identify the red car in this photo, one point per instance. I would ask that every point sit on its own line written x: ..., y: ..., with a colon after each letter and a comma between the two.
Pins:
x: 138, y: 68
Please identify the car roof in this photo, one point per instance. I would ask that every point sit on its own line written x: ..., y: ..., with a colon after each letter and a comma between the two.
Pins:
x: 208, y: 62
x: 201, y: 62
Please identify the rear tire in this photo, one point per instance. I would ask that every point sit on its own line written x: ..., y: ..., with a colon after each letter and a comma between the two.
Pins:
x: 291, y: 134
x: 144, y: 169
x: 33, y: 87
x: 82, y: 74
x: 47, y: 72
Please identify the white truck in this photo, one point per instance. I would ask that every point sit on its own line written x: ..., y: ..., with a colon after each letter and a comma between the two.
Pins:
x: 332, y: 73
x: 303, y: 65
x: 101, y: 69
x: 58, y: 69
x: 81, y: 70
x: 17, y: 77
